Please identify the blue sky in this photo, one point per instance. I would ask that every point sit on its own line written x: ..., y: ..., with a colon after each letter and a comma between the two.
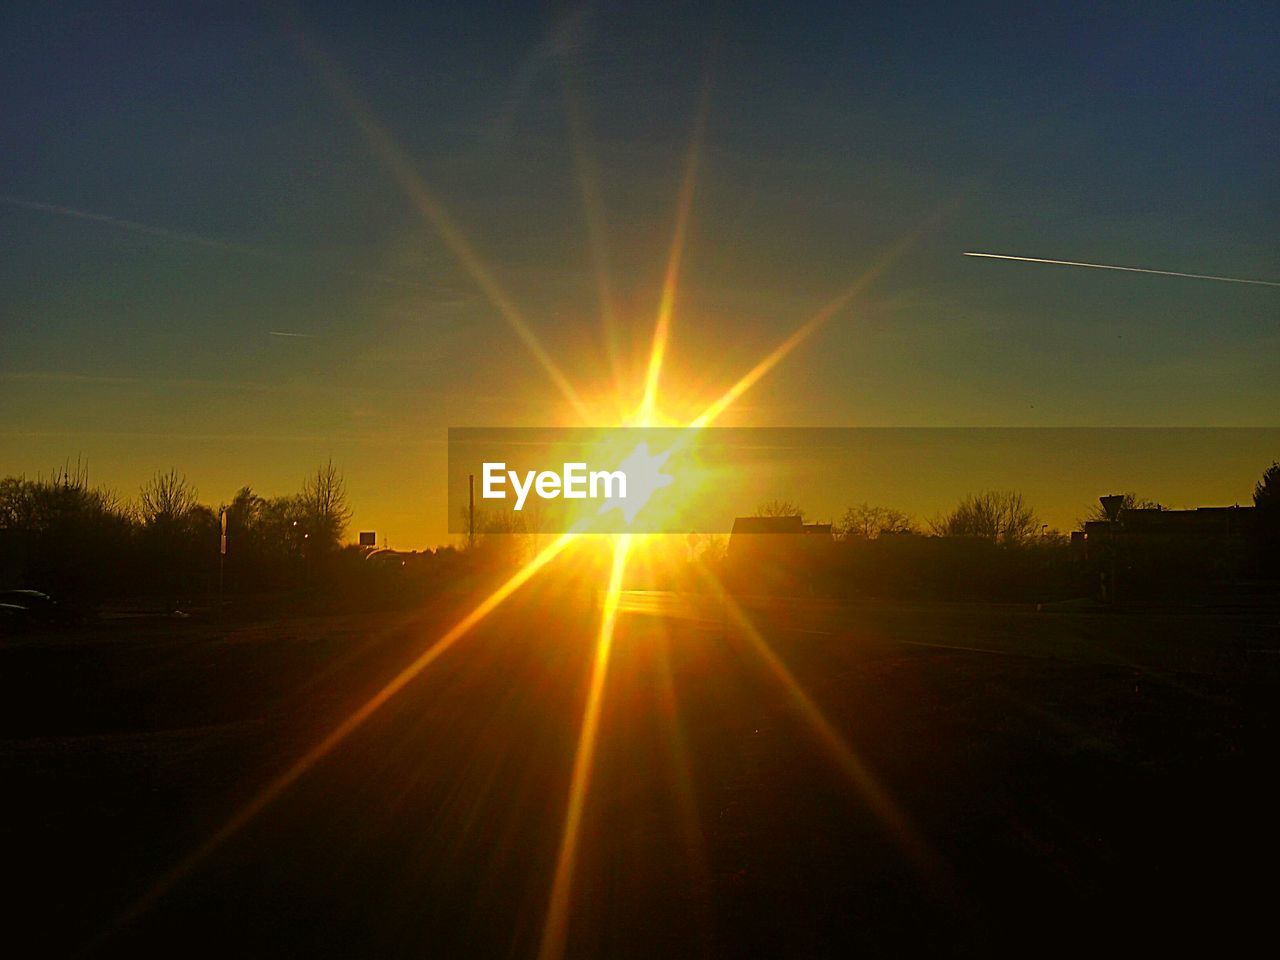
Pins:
x: 180, y: 181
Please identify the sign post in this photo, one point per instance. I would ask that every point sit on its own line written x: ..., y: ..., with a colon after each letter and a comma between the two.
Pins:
x: 222, y: 554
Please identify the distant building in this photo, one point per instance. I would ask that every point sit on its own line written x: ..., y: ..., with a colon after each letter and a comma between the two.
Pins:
x: 776, y: 555
x: 1149, y: 550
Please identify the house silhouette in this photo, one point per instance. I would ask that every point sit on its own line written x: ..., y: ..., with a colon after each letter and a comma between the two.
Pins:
x: 779, y: 556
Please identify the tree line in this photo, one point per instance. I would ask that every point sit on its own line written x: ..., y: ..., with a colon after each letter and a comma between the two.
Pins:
x: 993, y: 545
x: 1001, y: 516
x: 72, y: 538
x: 75, y: 540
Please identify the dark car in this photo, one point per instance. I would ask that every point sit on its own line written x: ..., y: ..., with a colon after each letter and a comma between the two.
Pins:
x: 36, y: 605
x: 12, y: 613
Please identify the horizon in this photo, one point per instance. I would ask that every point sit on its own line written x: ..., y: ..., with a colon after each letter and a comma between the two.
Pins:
x: 1061, y: 486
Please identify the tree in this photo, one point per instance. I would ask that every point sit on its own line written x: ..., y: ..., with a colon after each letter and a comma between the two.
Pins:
x: 15, y: 503
x: 867, y: 522
x: 502, y: 537
x: 244, y: 514
x: 324, y: 506
x: 75, y: 539
x: 779, y: 508
x: 1266, y: 492
x: 166, y: 499
x: 998, y: 515
x: 709, y: 548
x: 179, y: 534
x: 1266, y: 498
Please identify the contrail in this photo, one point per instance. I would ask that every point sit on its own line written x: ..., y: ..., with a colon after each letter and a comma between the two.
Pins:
x: 178, y: 236
x: 281, y: 333
x: 1108, y: 266
x: 136, y: 227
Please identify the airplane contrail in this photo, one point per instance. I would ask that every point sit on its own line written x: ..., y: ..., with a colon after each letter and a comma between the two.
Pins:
x: 282, y: 333
x: 178, y: 236
x: 1109, y: 266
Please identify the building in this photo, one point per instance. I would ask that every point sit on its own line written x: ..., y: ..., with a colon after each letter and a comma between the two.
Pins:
x: 1151, y: 550
x: 780, y: 556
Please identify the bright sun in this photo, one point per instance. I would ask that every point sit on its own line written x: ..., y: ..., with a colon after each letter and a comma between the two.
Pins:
x: 625, y: 547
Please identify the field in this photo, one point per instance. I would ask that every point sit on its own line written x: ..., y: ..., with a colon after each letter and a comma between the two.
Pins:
x: 875, y: 777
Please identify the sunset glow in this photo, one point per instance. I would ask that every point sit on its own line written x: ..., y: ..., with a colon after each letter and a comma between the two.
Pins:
x: 566, y: 481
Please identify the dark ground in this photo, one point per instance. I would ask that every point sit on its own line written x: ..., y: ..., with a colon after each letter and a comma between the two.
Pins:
x: 1083, y: 780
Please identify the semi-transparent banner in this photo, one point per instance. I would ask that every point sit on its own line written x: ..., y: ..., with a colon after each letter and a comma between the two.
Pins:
x: 677, y: 480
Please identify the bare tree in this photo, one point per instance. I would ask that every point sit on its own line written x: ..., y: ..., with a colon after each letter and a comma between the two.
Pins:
x: 866, y: 522
x: 325, y: 506
x: 779, y: 508
x: 16, y: 496
x: 167, y: 498
x: 999, y: 515
x: 502, y: 536
x: 710, y: 548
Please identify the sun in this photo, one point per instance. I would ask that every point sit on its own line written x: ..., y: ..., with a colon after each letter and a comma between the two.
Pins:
x: 624, y: 547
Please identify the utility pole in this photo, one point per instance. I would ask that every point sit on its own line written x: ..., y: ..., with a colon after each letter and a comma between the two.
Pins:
x: 222, y: 555
x: 471, y: 511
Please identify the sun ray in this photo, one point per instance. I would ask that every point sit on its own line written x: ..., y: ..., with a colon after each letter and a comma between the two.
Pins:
x: 675, y: 257
x: 779, y: 353
x: 837, y: 749
x: 680, y: 768
x: 555, y: 926
x: 268, y: 794
x: 824, y: 313
x: 587, y: 173
x: 403, y: 172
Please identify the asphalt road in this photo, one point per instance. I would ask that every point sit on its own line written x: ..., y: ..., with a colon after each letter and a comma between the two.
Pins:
x: 789, y: 779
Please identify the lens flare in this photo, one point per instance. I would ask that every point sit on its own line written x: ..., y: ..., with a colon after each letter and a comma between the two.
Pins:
x: 553, y: 937
x: 402, y: 170
x: 675, y: 256
x: 553, y: 932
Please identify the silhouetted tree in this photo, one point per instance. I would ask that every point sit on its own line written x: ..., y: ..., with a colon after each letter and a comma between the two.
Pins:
x: 15, y: 503
x: 178, y: 534
x: 72, y: 539
x: 866, y: 522
x: 1266, y: 498
x: 502, y: 537
x: 325, y: 509
x: 1266, y: 492
x: 1001, y: 516
x: 166, y: 499
x: 708, y: 548
x: 779, y: 508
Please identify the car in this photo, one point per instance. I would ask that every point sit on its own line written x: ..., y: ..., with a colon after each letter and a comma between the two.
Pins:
x: 35, y: 604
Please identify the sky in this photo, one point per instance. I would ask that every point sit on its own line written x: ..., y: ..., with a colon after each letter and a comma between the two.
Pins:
x: 181, y: 183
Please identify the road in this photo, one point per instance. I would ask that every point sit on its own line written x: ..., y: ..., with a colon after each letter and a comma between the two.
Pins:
x: 779, y: 779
